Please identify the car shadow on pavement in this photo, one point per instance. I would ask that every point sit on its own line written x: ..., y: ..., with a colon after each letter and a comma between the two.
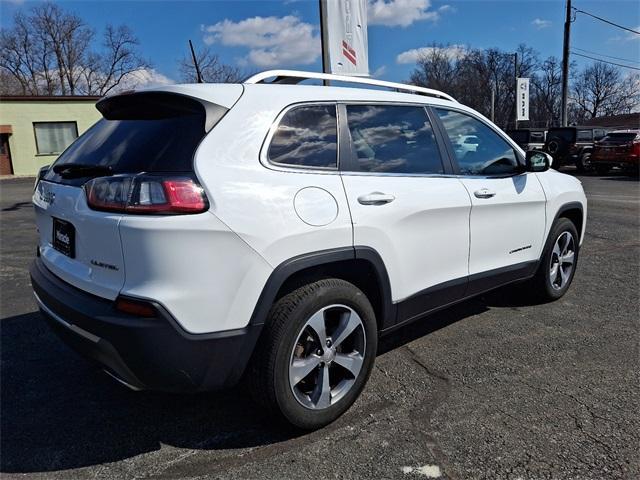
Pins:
x: 59, y: 412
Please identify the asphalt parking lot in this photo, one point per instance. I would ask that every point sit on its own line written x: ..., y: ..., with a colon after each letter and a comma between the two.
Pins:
x: 492, y: 388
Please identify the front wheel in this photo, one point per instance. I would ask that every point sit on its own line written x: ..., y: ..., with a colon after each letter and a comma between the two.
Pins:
x: 315, y: 354
x: 558, y: 263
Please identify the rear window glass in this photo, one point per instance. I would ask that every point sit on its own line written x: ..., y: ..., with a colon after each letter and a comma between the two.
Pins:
x: 567, y: 134
x: 307, y: 136
x: 620, y: 137
x: 584, y: 135
x: 162, y: 142
x: 519, y: 136
x: 537, y: 136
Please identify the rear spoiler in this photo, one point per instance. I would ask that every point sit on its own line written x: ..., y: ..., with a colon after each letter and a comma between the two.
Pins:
x: 158, y: 105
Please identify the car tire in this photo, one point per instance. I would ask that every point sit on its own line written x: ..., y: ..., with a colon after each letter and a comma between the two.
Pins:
x: 558, y: 262
x: 602, y: 169
x: 301, y: 377
x: 582, y: 164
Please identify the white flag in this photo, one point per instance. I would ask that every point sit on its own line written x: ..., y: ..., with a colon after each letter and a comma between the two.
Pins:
x: 522, y: 95
x: 344, y: 31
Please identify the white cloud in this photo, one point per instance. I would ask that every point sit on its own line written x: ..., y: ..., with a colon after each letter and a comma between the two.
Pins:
x: 539, y: 23
x: 402, y: 13
x: 143, y: 78
x: 272, y: 41
x: 380, y: 71
x: 412, y: 56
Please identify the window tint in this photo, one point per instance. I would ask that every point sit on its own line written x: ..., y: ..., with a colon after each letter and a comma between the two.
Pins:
x: 537, y: 136
x: 307, y: 137
x: 584, y: 135
x: 490, y: 155
x: 54, y: 137
x: 395, y: 139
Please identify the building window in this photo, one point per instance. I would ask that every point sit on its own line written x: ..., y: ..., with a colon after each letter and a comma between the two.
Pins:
x: 53, y: 137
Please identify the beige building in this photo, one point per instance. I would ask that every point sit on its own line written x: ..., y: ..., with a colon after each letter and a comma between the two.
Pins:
x: 35, y: 130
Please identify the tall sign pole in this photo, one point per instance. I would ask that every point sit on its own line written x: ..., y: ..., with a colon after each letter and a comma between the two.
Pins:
x: 565, y: 64
x: 515, y: 79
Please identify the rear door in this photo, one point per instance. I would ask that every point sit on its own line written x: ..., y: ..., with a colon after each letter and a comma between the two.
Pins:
x: 153, y: 132
x: 508, y: 205
x: 404, y: 204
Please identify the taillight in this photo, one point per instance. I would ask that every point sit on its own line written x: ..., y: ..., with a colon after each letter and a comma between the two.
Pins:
x: 146, y: 194
x: 635, y: 148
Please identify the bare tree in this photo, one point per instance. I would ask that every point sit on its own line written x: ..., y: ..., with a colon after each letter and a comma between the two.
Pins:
x: 546, y: 92
x: 470, y: 75
x: 600, y: 90
x: 211, y: 68
x: 49, y: 52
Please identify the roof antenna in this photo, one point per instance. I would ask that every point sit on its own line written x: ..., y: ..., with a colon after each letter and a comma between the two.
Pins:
x: 195, y: 63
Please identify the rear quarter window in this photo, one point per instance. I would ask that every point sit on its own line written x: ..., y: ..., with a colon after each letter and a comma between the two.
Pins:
x: 307, y: 136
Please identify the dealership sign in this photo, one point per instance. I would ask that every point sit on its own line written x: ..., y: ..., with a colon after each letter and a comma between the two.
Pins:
x: 344, y: 37
x: 522, y: 95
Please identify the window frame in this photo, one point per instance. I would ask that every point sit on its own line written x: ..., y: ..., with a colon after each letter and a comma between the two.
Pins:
x: 452, y: 155
x: 35, y: 136
x: 266, y: 144
x: 350, y: 166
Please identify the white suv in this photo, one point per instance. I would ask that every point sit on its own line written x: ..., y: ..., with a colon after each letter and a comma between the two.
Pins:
x: 200, y: 234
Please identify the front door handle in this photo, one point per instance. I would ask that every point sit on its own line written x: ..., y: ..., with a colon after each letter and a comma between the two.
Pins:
x: 375, y: 198
x: 484, y: 193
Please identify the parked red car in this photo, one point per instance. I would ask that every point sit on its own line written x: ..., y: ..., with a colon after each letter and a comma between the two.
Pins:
x: 620, y: 148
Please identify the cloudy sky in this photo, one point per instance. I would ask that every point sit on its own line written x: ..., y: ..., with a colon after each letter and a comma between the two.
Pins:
x: 259, y: 35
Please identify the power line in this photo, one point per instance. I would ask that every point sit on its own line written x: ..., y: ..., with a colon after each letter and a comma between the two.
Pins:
x: 605, y: 61
x: 608, y: 56
x: 607, y: 21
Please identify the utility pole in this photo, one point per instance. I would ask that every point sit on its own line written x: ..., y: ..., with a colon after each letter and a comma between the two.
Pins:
x: 515, y: 87
x: 565, y: 63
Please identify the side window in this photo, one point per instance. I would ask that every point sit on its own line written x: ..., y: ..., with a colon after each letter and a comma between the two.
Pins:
x: 306, y: 137
x: 489, y: 155
x: 393, y: 139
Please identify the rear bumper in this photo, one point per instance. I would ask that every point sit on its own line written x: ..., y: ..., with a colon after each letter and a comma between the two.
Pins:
x: 615, y: 160
x: 144, y: 353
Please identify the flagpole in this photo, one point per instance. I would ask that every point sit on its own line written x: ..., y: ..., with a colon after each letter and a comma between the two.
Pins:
x: 326, y: 66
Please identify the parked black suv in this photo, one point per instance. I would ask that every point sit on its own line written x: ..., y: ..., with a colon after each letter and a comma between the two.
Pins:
x: 572, y: 145
x: 528, y: 138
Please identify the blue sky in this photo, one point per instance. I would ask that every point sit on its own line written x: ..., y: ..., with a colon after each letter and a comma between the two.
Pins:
x: 259, y: 35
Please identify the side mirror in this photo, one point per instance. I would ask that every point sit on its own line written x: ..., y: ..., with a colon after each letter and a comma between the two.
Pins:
x: 538, y: 161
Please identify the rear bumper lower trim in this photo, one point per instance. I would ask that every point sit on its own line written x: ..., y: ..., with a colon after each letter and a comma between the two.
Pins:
x: 143, y: 353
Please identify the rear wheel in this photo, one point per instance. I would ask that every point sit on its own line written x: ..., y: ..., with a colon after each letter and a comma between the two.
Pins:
x: 316, y: 353
x: 558, y: 263
x: 583, y: 162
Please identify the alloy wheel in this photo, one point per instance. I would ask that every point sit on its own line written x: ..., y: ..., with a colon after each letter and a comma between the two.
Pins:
x: 562, y: 260
x: 327, y: 357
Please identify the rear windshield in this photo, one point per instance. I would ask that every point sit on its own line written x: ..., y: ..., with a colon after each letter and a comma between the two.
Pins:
x: 150, y: 137
x: 519, y: 136
x: 585, y: 135
x: 567, y: 134
x: 620, y: 137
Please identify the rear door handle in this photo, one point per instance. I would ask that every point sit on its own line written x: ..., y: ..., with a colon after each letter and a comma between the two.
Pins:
x: 376, y: 198
x: 484, y: 193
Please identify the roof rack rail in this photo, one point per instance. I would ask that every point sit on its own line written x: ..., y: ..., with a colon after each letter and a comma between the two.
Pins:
x: 292, y: 77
